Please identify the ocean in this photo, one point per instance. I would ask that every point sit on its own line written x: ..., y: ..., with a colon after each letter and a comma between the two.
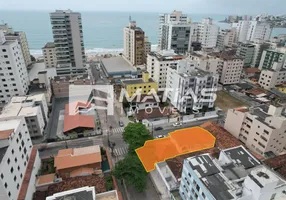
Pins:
x: 103, y: 31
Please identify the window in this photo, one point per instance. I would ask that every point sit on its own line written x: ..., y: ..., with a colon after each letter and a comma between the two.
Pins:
x: 8, y: 161
x: 15, y: 178
x: 22, y: 143
x: 16, y: 160
x: 198, y: 188
x: 9, y: 194
x: 18, y: 186
x: 12, y: 170
x: 3, y: 50
x: 25, y: 150
x: 2, y: 176
x: 25, y: 163
x: 18, y: 168
x: 203, y: 194
x: 12, y: 151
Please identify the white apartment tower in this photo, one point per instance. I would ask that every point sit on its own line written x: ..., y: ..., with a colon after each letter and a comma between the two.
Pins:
x: 205, y: 32
x: 226, y: 38
x: 158, y: 64
x: 187, y: 82
x: 20, y: 162
x: 175, y: 16
x: 20, y: 36
x: 13, y: 71
x: 134, y: 44
x: 68, y: 39
x: 252, y: 30
x: 49, y: 53
x: 261, y: 129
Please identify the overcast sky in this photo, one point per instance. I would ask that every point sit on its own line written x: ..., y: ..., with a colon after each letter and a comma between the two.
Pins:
x: 187, y: 6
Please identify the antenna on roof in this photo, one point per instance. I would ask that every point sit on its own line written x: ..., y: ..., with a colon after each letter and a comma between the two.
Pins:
x: 130, y: 18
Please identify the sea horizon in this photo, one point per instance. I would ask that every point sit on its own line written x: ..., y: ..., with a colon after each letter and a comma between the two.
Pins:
x: 102, y: 30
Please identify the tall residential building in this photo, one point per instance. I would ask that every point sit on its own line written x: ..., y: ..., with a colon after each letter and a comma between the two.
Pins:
x: 234, y: 175
x: 176, y: 36
x: 246, y: 52
x: 134, y: 44
x: 229, y: 67
x: 206, y: 62
x: 13, y: 71
x: 33, y: 108
x: 269, y: 57
x: 147, y: 47
x: 252, y: 30
x: 49, y: 53
x: 20, y: 161
x: 226, y: 38
x: 261, y: 129
x: 205, y: 32
x: 269, y: 78
x: 68, y: 39
x: 187, y: 82
x: 175, y: 16
x: 259, y: 47
x: 158, y: 64
x: 20, y: 36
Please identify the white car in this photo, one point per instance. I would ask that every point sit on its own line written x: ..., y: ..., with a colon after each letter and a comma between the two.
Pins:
x: 159, y: 136
x: 177, y: 124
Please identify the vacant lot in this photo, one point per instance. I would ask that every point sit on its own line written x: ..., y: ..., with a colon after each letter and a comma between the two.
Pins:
x: 224, y: 101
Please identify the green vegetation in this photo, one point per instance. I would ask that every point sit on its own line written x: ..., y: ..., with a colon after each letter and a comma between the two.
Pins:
x: 130, y: 168
x: 33, y: 59
x: 47, y: 166
x: 109, y: 183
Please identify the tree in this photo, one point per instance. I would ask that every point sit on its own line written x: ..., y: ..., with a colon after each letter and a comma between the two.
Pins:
x: 33, y: 59
x: 132, y: 171
x: 135, y: 134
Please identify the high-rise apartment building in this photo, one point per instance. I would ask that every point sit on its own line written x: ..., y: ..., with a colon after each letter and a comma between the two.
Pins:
x: 176, y: 36
x: 229, y: 67
x: 175, y: 16
x: 68, y: 39
x: 252, y: 30
x: 269, y: 57
x: 13, y: 71
x: 206, y: 62
x: 246, y: 52
x: 134, y: 44
x: 147, y: 47
x: 261, y: 129
x: 187, y: 82
x: 205, y: 33
x: 19, y: 160
x: 234, y: 175
x: 158, y: 64
x: 226, y: 38
x: 20, y: 36
x: 259, y: 47
x: 49, y: 53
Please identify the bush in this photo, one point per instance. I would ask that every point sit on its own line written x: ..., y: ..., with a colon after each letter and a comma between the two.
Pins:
x: 109, y: 182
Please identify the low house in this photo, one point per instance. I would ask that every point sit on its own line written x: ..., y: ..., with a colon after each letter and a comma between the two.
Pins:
x: 78, y: 161
x: 77, y: 121
x: 251, y: 72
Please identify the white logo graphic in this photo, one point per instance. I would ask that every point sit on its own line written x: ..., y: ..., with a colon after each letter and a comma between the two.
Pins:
x: 90, y: 97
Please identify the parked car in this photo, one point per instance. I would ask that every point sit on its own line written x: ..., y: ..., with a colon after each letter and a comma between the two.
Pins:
x: 160, y: 136
x: 158, y: 128
x: 177, y: 124
x: 121, y: 124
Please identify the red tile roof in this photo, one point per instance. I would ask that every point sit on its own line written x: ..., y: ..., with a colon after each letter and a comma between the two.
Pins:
x: 156, y: 112
x: 255, y: 91
x: 5, y: 134
x: 73, y: 108
x: 28, y: 173
x: 251, y: 70
x: 278, y: 164
x: 78, y: 121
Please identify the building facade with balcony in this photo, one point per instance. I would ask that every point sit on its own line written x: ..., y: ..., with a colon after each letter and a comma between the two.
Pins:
x: 49, y: 53
x: 158, y: 64
x: 261, y: 129
x: 13, y: 71
x: 269, y: 57
x: 68, y: 40
x: 188, y: 84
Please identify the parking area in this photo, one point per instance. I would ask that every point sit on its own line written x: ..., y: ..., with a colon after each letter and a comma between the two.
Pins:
x: 224, y: 101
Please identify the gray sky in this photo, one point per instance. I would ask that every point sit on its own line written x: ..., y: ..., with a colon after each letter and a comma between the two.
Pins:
x: 187, y: 6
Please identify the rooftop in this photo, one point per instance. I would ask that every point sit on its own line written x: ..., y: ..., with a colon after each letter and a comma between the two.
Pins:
x: 136, y: 81
x: 70, y: 78
x: 226, y: 55
x: 72, y: 122
x: 251, y: 70
x: 166, y: 55
x: 46, y: 179
x: 40, y: 67
x: 117, y: 64
x: 278, y: 164
x: 49, y: 45
x: 156, y: 113
x: 5, y: 134
x: 77, y: 157
x: 86, y: 193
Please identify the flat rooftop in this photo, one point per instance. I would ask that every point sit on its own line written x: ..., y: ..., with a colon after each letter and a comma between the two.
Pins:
x: 49, y: 45
x: 166, y: 55
x: 40, y: 67
x: 117, y: 64
x: 136, y: 81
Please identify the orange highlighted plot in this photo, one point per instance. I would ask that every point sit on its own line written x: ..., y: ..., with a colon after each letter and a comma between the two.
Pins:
x: 177, y: 143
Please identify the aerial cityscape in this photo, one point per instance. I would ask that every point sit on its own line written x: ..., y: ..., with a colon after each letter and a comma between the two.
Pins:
x: 172, y: 106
